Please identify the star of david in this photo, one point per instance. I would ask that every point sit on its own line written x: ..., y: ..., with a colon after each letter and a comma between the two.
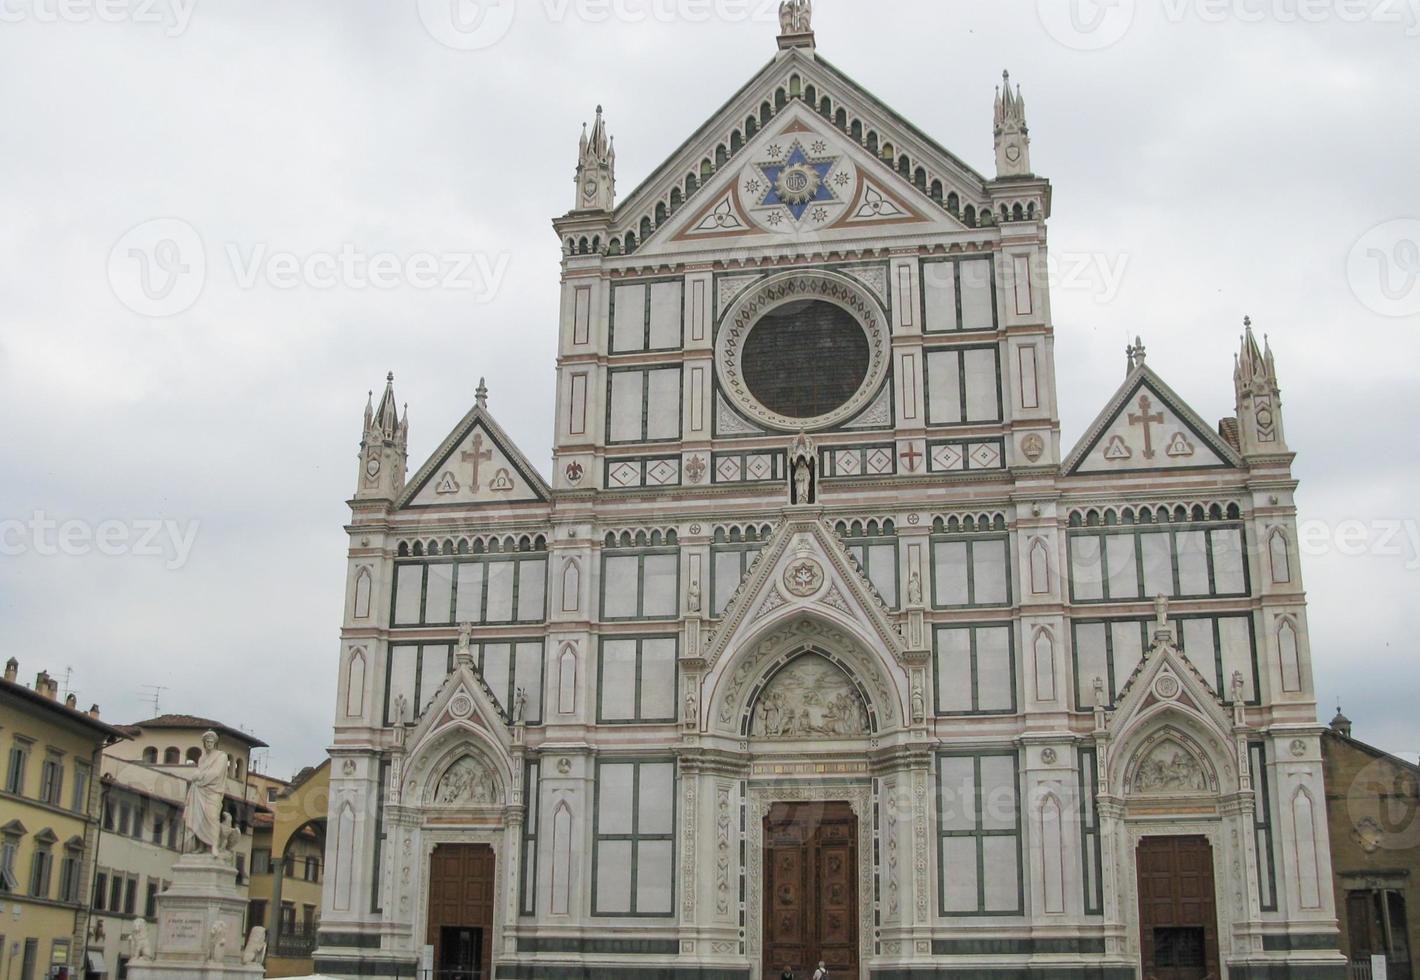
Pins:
x: 798, y: 181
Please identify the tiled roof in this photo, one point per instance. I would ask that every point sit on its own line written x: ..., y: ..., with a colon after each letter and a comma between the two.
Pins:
x: 193, y: 722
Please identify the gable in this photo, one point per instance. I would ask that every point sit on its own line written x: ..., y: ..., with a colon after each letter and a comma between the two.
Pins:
x: 798, y: 85
x: 801, y: 177
x: 477, y: 464
x: 1147, y: 428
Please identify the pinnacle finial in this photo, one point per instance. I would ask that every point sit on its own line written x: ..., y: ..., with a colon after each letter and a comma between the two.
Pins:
x: 482, y: 393
x: 1247, y: 322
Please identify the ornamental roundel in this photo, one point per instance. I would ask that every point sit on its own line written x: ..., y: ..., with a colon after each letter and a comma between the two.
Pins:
x: 803, y: 351
x: 803, y: 577
x: 461, y: 706
x: 1167, y: 687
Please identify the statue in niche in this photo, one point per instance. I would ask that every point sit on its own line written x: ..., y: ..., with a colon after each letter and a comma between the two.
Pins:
x: 914, y: 588
x: 1239, y: 687
x: 1101, y: 696
x: 811, y: 698
x: 467, y: 783
x: 1170, y: 769
x: 803, y: 481
x: 801, y: 471
x: 401, y: 709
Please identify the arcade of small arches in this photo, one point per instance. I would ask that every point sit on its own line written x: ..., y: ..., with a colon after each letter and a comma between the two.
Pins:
x: 174, y: 756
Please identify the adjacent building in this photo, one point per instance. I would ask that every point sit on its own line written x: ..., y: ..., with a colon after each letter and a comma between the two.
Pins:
x: 1373, y: 809
x: 822, y: 642
x: 288, y: 862
x: 48, y: 826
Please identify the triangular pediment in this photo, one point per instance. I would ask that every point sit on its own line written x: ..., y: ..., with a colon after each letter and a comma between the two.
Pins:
x: 705, y: 192
x: 801, y: 178
x: 804, y: 569
x: 1166, y: 679
x: 477, y: 464
x: 1147, y: 427
x: 463, y: 700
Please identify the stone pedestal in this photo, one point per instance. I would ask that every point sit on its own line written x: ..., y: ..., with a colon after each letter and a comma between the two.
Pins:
x: 202, y: 905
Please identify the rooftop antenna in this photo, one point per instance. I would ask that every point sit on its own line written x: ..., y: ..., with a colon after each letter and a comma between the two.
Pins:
x: 153, y: 693
x: 68, y: 676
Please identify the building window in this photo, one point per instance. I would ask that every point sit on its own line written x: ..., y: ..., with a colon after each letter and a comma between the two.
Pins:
x: 158, y: 830
x: 963, y: 386
x: 640, y: 585
x: 172, y: 757
x: 109, y: 814
x: 261, y: 862
x: 115, y: 893
x: 15, y: 774
x: 875, y: 551
x: 9, y: 853
x: 647, y: 316
x: 1180, y: 562
x: 643, y: 405
x: 288, y: 918
x: 1262, y: 825
x: 150, y: 900
x: 101, y: 891
x: 970, y: 571
x: 41, y: 870
x: 633, y: 871
x: 959, y: 294
x: 1376, y: 926
x: 485, y: 591
x: 69, y: 876
x: 532, y: 794
x: 1218, y: 646
x: 82, y: 773
x: 313, y: 870
x: 308, y: 920
x: 130, y: 896
x: 979, y: 845
x: 51, y: 780
x: 1090, y: 832
x: 256, y: 913
x: 125, y: 816
x: 150, y: 756
x: 637, y: 681
x: 976, y: 670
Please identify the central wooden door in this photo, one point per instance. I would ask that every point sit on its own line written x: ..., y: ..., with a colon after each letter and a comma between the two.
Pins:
x: 1178, y: 916
x: 811, y: 889
x: 461, y: 896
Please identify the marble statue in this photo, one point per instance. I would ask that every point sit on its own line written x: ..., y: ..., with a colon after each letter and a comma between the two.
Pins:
x: 401, y: 709
x: 803, y: 482
x: 520, y: 707
x: 914, y: 589
x: 255, y: 951
x: 138, y: 948
x: 217, y: 943
x: 1161, y: 614
x: 1239, y: 687
x: 1101, y: 698
x: 692, y: 708
x: 230, y: 838
x: 809, y: 698
x: 796, y: 16
x: 203, y: 811
x: 692, y: 597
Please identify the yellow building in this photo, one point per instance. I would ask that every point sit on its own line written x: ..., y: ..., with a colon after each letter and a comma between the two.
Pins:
x: 288, y: 852
x: 48, y: 825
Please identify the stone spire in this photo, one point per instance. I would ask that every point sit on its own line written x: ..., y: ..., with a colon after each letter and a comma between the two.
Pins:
x: 1259, y: 396
x: 596, y: 168
x: 1012, y: 133
x: 384, y: 447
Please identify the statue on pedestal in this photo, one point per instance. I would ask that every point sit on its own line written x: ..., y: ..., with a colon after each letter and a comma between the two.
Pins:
x: 255, y: 952
x: 796, y: 16
x: 217, y: 943
x: 138, y: 949
x: 203, y: 811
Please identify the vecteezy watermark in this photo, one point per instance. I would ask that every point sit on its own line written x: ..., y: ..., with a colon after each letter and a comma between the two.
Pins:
x: 475, y: 25
x: 47, y: 537
x: 173, y: 16
x: 1087, y: 25
x: 1384, y: 268
x: 1383, y: 802
x: 1403, y: 12
x: 160, y: 268
x: 1398, y: 539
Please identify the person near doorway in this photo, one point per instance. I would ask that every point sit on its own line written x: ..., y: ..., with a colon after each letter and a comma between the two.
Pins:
x: 822, y: 972
x: 788, y: 973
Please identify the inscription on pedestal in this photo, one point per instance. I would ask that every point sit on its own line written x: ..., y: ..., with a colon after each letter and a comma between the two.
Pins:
x: 183, y: 932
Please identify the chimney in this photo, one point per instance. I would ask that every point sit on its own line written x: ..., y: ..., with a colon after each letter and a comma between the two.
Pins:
x: 94, y: 712
x: 46, y: 687
x: 72, y: 703
x: 12, y: 671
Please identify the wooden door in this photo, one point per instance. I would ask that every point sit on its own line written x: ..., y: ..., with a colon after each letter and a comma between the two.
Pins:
x: 461, y: 896
x: 811, y: 889
x: 1178, y: 917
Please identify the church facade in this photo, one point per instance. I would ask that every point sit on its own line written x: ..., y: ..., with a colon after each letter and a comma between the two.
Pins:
x: 821, y: 645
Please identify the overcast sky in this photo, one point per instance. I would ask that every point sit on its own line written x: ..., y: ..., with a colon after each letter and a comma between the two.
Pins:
x: 1209, y: 160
